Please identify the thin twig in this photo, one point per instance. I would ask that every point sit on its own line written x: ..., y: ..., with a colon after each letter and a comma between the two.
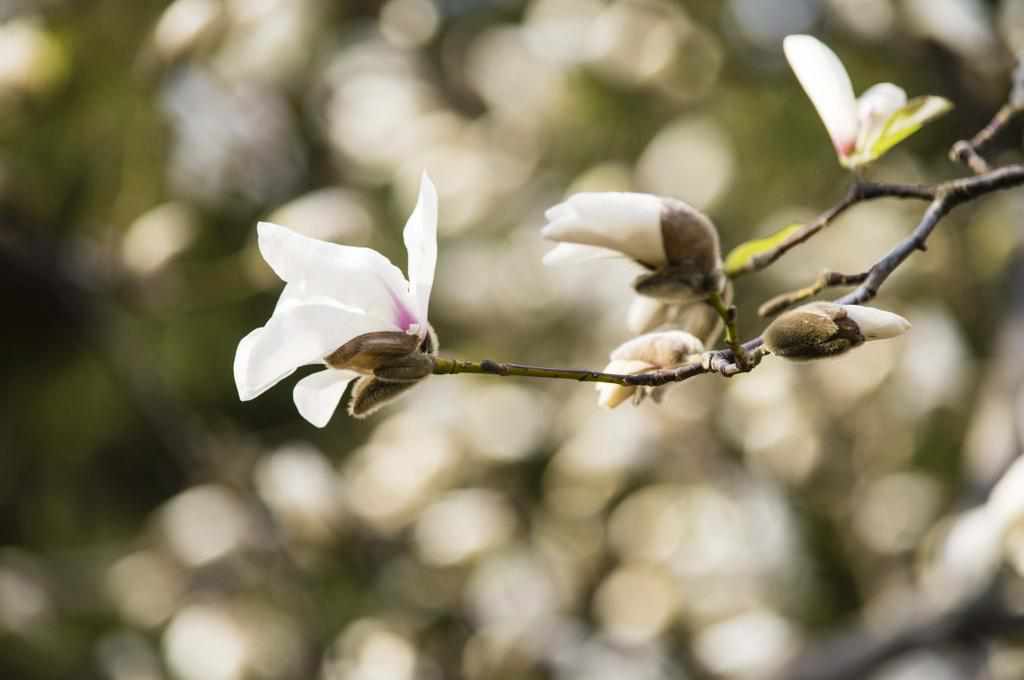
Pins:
x: 968, y: 152
x: 446, y: 366
x: 827, y: 279
x: 859, y: 192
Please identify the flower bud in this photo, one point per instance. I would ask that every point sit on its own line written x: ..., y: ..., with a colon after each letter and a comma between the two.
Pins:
x: 665, y: 349
x: 390, y: 361
x: 677, y: 243
x: 370, y: 394
x: 365, y: 353
x: 825, y: 329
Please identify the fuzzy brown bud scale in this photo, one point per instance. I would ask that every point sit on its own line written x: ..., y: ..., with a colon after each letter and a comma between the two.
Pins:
x: 391, y: 362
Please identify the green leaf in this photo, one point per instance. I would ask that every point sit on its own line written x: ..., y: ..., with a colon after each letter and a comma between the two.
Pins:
x: 900, y: 125
x: 741, y: 256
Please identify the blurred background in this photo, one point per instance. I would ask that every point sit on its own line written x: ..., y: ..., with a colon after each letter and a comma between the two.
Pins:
x: 152, y: 526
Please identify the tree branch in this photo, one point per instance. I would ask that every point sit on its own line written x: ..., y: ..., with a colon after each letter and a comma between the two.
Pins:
x: 446, y: 366
x: 968, y: 152
x: 741, y: 358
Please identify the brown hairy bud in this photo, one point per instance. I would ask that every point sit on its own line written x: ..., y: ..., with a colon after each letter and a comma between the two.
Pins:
x: 367, y: 352
x: 693, y: 257
x: 391, y: 361
x: 370, y: 394
x: 825, y: 329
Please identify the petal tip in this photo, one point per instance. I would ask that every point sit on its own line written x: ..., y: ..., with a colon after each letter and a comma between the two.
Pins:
x: 877, y: 324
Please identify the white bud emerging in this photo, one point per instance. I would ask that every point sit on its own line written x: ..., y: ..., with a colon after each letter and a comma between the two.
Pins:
x: 825, y: 329
x: 877, y: 324
x: 610, y: 395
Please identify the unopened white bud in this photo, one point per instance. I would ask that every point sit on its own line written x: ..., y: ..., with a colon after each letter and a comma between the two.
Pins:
x: 677, y: 243
x: 825, y: 329
x: 876, y: 324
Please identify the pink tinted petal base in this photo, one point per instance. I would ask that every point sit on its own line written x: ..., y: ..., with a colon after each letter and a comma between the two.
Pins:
x: 404, y: 317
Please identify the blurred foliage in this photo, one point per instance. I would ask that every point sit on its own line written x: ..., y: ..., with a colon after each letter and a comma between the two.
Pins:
x: 154, y: 526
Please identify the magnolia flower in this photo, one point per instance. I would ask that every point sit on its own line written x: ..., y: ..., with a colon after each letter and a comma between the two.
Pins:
x: 862, y: 129
x: 665, y: 349
x: 825, y: 329
x: 677, y: 244
x: 347, y: 308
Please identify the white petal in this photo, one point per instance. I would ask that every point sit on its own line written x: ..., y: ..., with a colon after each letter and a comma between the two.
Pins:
x: 574, y: 253
x: 302, y: 333
x: 827, y: 84
x: 318, y: 394
x: 874, y: 107
x: 360, y: 278
x: 246, y: 390
x: 645, y: 314
x: 420, y: 238
x: 627, y: 222
x: 876, y: 324
x: 610, y: 395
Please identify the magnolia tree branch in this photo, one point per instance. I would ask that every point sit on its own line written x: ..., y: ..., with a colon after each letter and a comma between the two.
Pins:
x: 943, y: 196
x: 741, y: 357
x: 446, y: 366
x: 968, y: 152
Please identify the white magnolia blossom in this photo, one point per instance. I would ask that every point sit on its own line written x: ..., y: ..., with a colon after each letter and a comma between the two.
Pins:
x: 856, y: 125
x: 346, y: 307
x: 653, y: 351
x: 675, y: 242
x: 825, y: 329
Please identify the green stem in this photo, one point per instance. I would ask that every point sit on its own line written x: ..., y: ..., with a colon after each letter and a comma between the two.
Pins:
x: 732, y: 336
x: 446, y: 366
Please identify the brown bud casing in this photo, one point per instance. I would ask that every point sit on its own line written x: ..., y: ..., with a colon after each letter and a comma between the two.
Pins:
x: 692, y: 253
x: 367, y: 352
x: 815, y: 331
x: 393, y: 362
x: 370, y: 394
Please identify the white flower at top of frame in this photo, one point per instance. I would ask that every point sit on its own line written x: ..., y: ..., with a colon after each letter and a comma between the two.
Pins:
x: 333, y: 294
x: 855, y: 124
